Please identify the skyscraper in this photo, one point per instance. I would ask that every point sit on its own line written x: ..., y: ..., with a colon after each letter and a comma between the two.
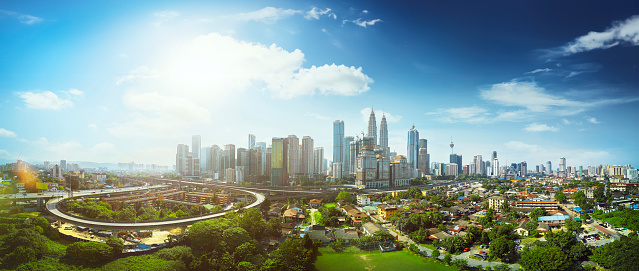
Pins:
x: 346, y: 164
x: 180, y: 159
x: 477, y: 165
x: 63, y: 165
x: 264, y: 161
x: 251, y: 141
x: 413, y: 148
x: 493, y: 156
x: 293, y: 155
x: 308, y: 167
x: 279, y: 162
x: 562, y: 165
x: 229, y: 156
x: 338, y: 141
x: 495, y: 165
x: 548, y: 168
x: 372, y: 128
x: 213, y: 163
x: 196, y: 154
x: 383, y: 136
x: 457, y: 159
x: 319, y: 160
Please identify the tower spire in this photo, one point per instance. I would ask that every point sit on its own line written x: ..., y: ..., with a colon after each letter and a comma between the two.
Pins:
x: 451, y: 145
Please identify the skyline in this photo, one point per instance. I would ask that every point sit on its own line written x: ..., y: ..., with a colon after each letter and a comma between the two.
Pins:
x: 129, y: 84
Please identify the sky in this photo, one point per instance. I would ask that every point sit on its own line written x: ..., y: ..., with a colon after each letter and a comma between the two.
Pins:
x: 126, y: 81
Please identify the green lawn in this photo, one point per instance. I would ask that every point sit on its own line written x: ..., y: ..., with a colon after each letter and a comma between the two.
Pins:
x: 328, y: 205
x: 354, y: 259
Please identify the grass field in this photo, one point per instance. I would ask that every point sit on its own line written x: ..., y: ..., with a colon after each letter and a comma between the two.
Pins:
x: 327, y: 205
x: 375, y: 261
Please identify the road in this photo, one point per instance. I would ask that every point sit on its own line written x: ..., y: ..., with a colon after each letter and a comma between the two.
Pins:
x: 51, y: 206
x: 63, y: 193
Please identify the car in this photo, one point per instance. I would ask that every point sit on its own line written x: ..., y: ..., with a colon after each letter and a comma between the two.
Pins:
x: 68, y: 228
x: 482, y: 252
x: 466, y: 249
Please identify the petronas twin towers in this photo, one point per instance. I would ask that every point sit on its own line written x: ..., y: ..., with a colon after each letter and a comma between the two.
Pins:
x: 383, y: 132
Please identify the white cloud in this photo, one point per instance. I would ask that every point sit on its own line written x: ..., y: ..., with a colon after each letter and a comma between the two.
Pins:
x: 525, y: 94
x: 539, y: 70
x: 75, y: 92
x: 221, y: 64
x: 28, y: 19
x: 267, y: 15
x: 142, y: 72
x: 521, y: 146
x: 164, y: 16
x: 540, y: 127
x: 473, y: 114
x: 365, y: 23
x: 365, y: 11
x: 44, y: 100
x: 317, y: 116
x: 315, y: 13
x: 23, y: 18
x: 366, y: 112
x: 93, y: 126
x: 621, y: 32
x: 7, y: 133
x: 592, y: 120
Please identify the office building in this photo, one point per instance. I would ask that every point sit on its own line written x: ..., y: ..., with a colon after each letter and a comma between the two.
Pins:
x: 279, y: 162
x: 229, y: 156
x: 548, y: 168
x: 293, y: 155
x: 412, y: 149
x: 562, y: 166
x: 338, y: 141
x: 181, y: 157
x: 337, y: 170
x: 307, y: 165
x: 196, y: 154
x: 63, y: 165
x: 251, y: 141
x: 346, y: 164
x: 372, y: 129
x: 383, y: 136
x: 319, y: 160
x: 456, y: 159
x: 264, y: 160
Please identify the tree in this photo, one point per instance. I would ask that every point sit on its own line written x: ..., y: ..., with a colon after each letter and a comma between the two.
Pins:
x: 580, y: 198
x: 90, y: 251
x: 383, y: 236
x: 447, y: 258
x: 618, y: 255
x: 19, y: 256
x: 537, y: 213
x: 206, y: 236
x: 454, y: 244
x: 179, y: 253
x: 435, y: 254
x: 542, y: 258
x: 462, y: 264
x: 475, y: 198
x: 572, y: 226
x: 501, y: 267
x: 502, y: 247
x: 345, y: 196
x: 531, y: 226
x: 116, y: 244
x: 338, y: 245
x: 560, y: 196
x: 292, y: 255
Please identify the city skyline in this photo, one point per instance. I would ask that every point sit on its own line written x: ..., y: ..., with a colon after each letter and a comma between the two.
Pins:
x: 130, y: 86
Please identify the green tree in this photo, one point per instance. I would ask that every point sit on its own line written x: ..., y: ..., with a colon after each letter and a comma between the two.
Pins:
x: 580, y: 198
x: 435, y: 254
x: 116, y: 244
x: 560, y: 196
x: 206, y: 236
x: 383, y: 236
x: 90, y: 251
x: 572, y: 225
x: 17, y: 257
x: 618, y: 255
x: 447, y: 258
x: 345, y: 196
x: 502, y: 247
x: 179, y: 253
x: 537, y: 213
x: 543, y: 258
x: 462, y: 264
x: 531, y: 226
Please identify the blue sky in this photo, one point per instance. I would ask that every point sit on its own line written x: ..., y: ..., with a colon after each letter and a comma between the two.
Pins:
x: 118, y: 81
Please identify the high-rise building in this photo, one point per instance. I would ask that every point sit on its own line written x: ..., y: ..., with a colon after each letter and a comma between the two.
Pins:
x: 372, y: 129
x: 307, y: 167
x: 562, y: 166
x: 229, y: 156
x: 264, y: 161
x: 251, y: 141
x: 279, y: 162
x: 319, y: 160
x: 242, y: 158
x: 548, y: 168
x: 353, y: 151
x: 495, y: 165
x: 413, y: 148
x: 56, y: 172
x: 477, y: 165
x: 338, y: 141
x: 422, y: 158
x: 196, y: 153
x: 267, y: 166
x: 63, y: 165
x: 493, y: 156
x: 181, y: 159
x: 346, y: 164
x: 456, y: 159
x: 383, y: 136
x: 213, y: 163
x: 204, y: 162
x: 293, y: 155
x: 337, y: 170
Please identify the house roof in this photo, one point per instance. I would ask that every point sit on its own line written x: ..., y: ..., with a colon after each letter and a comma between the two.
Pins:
x: 290, y: 213
x: 346, y: 234
x: 315, y: 201
x: 440, y: 235
x: 371, y: 227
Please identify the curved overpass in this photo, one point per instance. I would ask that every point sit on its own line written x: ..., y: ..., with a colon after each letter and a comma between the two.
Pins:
x: 141, y: 225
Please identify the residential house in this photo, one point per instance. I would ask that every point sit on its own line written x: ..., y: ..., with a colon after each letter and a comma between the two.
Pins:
x: 386, y: 211
x: 440, y: 236
x: 315, y: 203
x: 363, y: 200
x: 346, y: 234
x: 356, y: 215
x: 370, y: 228
x: 293, y: 215
x: 495, y: 202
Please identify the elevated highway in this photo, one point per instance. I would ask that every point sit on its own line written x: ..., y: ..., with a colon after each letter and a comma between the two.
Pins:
x: 141, y: 225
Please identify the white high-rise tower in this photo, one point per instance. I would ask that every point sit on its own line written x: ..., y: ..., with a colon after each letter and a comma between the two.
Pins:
x: 383, y: 136
x: 372, y: 127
